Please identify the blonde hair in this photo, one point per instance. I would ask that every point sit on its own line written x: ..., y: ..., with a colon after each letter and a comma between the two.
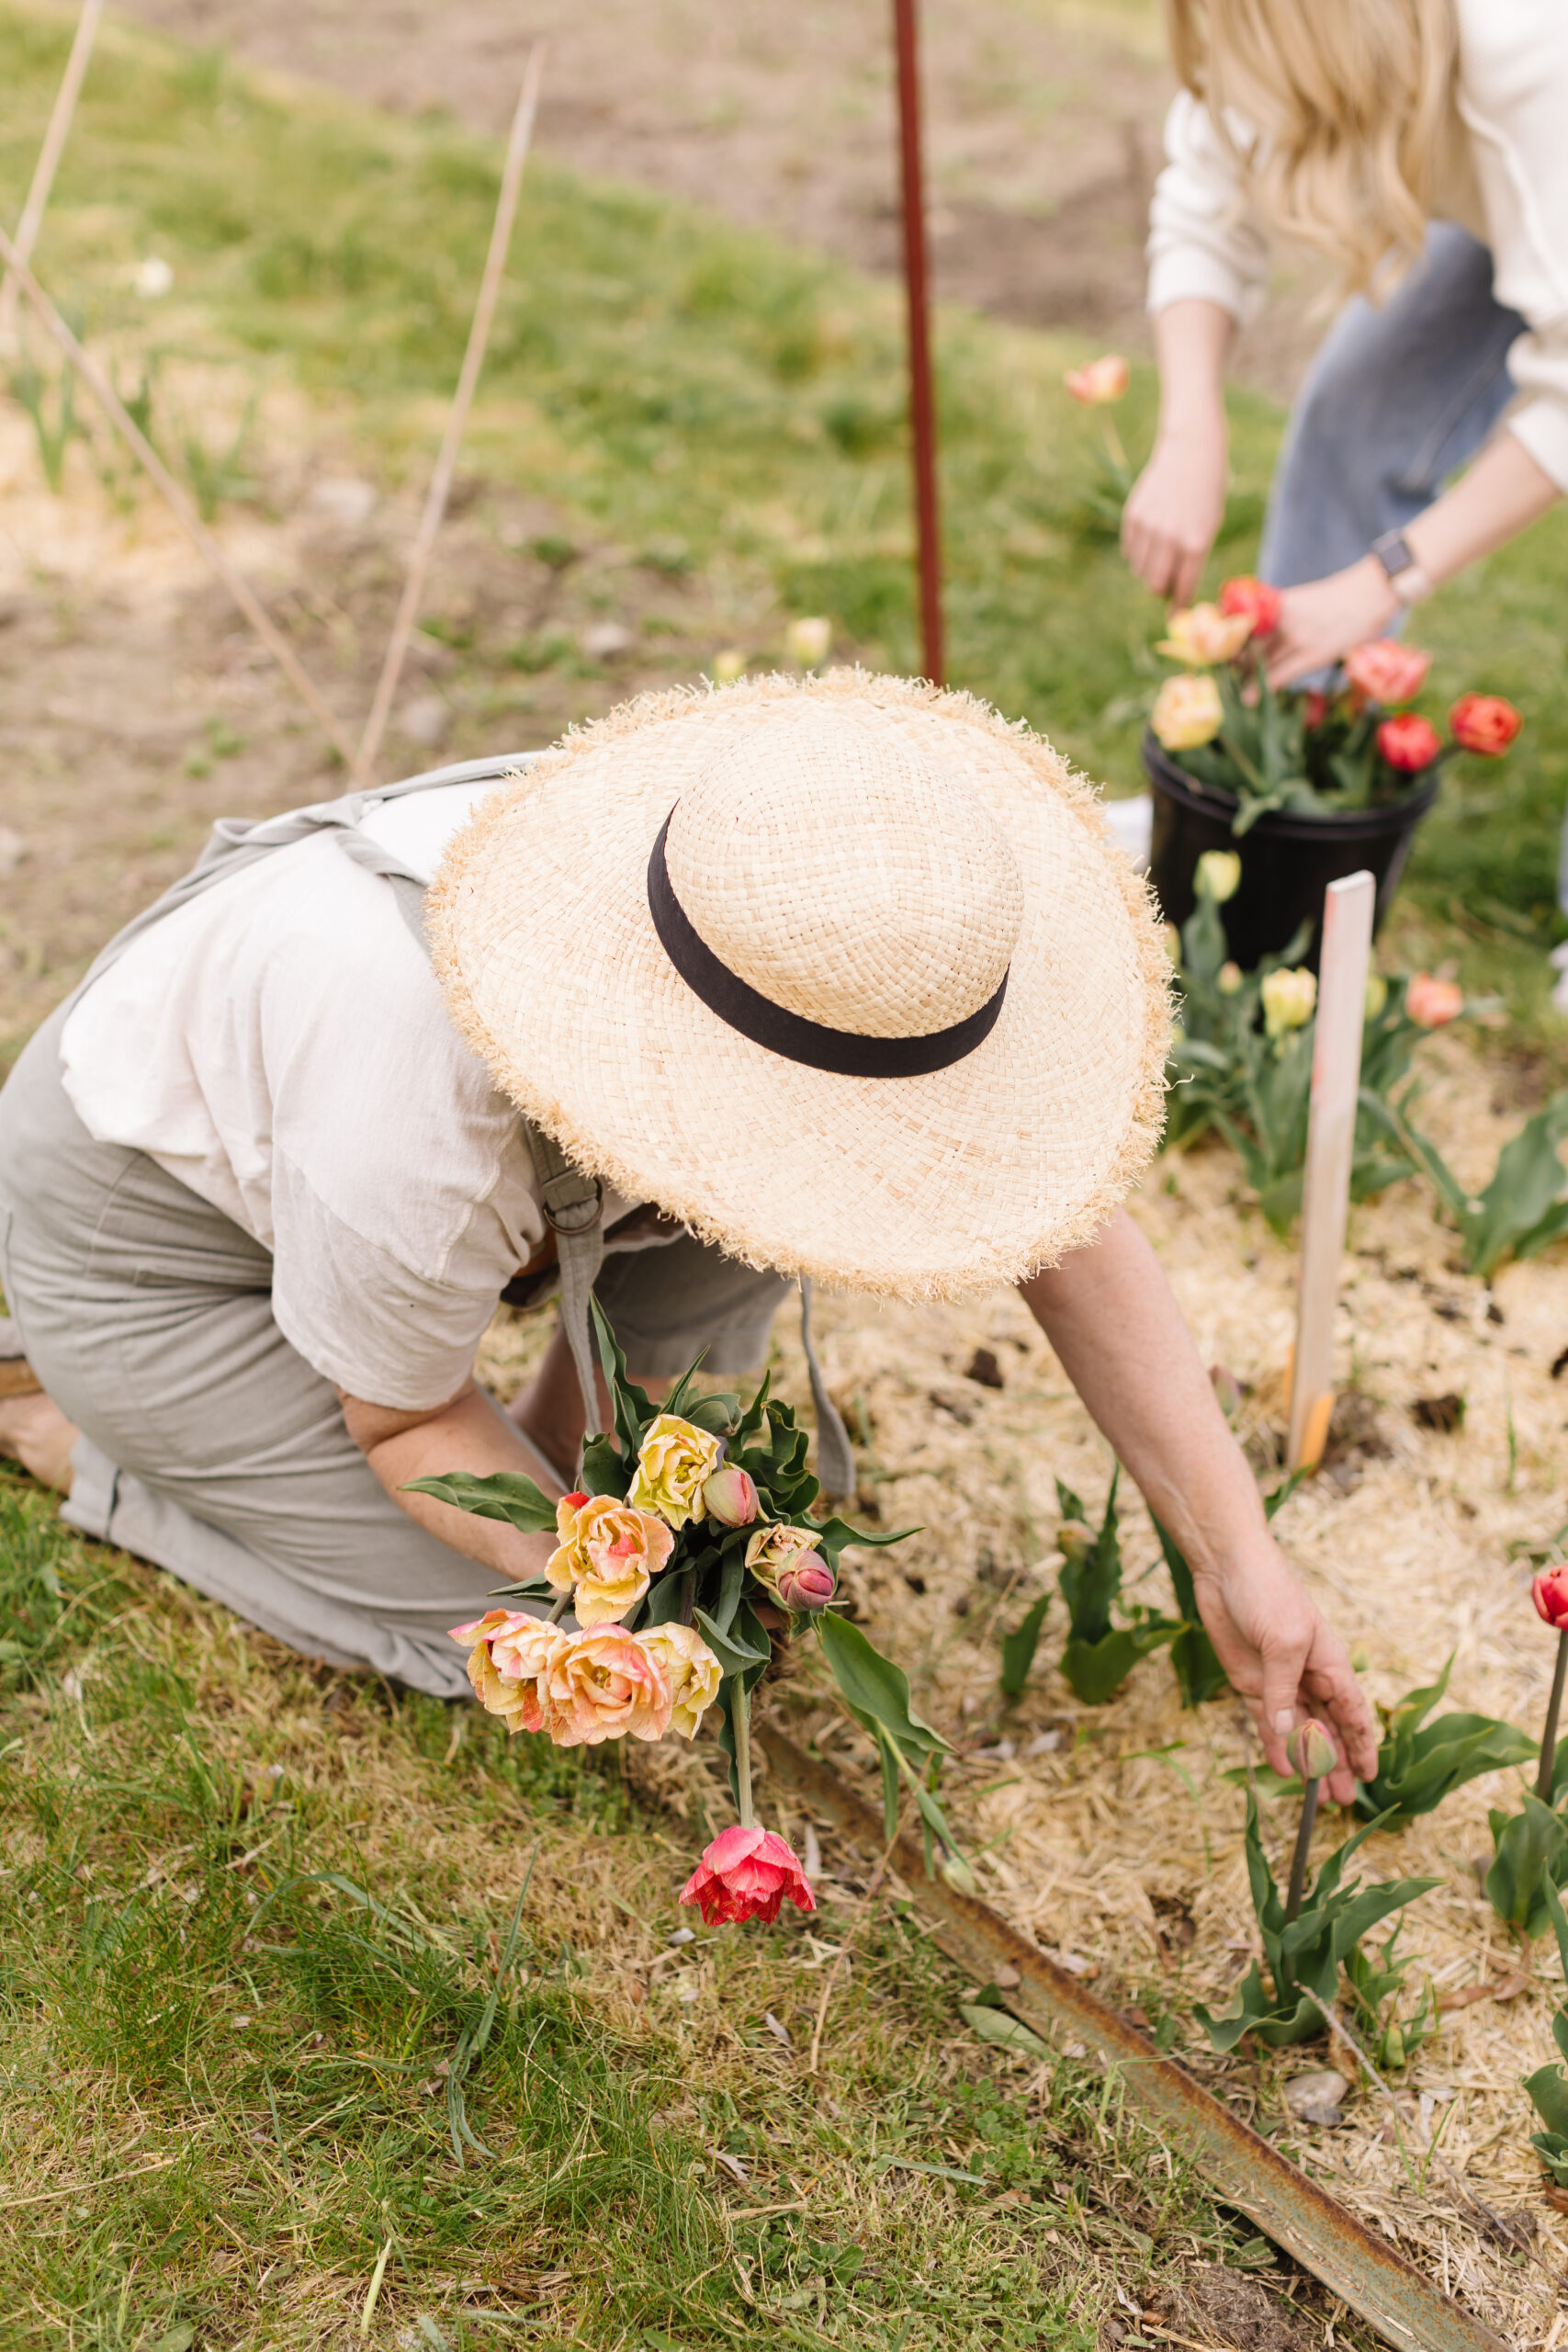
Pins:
x: 1349, y: 103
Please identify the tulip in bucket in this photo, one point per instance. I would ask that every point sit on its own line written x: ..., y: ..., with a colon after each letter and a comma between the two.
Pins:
x: 1310, y: 787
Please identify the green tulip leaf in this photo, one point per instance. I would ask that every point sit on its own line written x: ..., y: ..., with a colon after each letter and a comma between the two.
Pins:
x: 506, y: 1496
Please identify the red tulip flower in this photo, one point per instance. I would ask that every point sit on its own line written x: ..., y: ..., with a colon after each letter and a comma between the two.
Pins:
x: 1254, y: 598
x: 1484, y: 723
x: 1550, y: 1593
x: 745, y: 1874
x: 1408, y: 743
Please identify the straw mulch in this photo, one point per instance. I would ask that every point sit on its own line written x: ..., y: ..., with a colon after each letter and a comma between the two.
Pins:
x: 1127, y: 1862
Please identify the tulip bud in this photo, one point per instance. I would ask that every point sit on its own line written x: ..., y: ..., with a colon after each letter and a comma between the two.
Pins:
x: 1550, y: 1593
x: 808, y: 640
x: 1376, y: 996
x: 1310, y: 1750
x: 1289, y: 1001
x: 1073, y: 1541
x: 730, y: 1497
x: 1227, y: 1390
x: 807, y: 1584
x: 1230, y: 979
x: 728, y: 665
x: 1218, y: 875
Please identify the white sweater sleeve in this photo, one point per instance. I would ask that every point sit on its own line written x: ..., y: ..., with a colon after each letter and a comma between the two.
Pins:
x: 1203, y: 238
x: 1513, y: 100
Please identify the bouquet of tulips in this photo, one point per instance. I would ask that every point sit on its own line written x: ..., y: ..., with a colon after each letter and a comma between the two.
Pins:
x: 689, y: 1549
x: 1313, y: 754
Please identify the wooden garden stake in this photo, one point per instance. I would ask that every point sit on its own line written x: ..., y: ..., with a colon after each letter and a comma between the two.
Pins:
x: 190, y: 521
x: 462, y: 401
x: 48, y: 162
x: 1331, y: 1137
x: 922, y: 405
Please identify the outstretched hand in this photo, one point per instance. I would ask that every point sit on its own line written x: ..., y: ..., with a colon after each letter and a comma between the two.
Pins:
x: 1287, y: 1665
x: 1320, y: 621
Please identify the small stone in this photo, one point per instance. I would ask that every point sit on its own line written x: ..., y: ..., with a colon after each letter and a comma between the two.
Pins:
x: 427, y: 721
x: 984, y: 1369
x: 343, y: 499
x: 1315, y: 2098
x: 604, y: 640
x: 1007, y: 1977
x: 1046, y: 1743
x: 13, y: 849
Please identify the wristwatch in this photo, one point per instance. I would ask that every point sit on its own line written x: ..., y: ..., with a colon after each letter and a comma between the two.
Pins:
x: 1406, y: 577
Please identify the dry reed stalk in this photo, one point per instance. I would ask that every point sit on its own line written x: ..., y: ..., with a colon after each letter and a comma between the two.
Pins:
x: 190, y: 521
x: 54, y: 138
x: 462, y: 401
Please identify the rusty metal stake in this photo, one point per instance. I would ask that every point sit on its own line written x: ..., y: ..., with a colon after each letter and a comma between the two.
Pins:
x: 922, y: 403
x: 1239, y: 2167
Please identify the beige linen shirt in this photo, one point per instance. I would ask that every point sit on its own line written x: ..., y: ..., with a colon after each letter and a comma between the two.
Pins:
x: 279, y: 1044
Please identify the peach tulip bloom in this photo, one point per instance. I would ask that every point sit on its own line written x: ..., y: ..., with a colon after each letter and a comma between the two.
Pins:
x: 1098, y: 383
x: 1202, y: 636
x: 1433, y: 1003
x: 608, y: 1552
x: 1187, y: 711
x: 603, y: 1684
x: 692, y: 1669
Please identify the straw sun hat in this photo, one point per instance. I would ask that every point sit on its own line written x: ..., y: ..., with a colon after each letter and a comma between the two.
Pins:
x: 842, y: 971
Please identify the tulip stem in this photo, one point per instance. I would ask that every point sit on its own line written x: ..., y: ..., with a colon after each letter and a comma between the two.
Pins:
x: 559, y: 1611
x: 1553, y: 1708
x: 740, y: 1725
x: 688, y: 1597
x: 1303, y: 1845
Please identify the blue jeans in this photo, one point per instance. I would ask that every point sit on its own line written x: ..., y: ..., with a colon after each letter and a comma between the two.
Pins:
x: 1395, y: 400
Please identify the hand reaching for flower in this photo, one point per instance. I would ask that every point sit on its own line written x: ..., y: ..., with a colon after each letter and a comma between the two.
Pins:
x: 1320, y: 621
x: 1286, y: 1663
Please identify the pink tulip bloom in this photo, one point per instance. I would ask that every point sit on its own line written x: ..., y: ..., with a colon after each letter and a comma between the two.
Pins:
x: 1387, y: 672
x: 746, y: 1874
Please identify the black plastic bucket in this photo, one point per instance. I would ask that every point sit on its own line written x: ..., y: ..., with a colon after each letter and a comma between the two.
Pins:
x: 1287, y: 862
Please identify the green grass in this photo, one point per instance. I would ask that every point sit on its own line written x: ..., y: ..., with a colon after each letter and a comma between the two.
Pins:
x: 732, y: 412
x: 248, y: 1913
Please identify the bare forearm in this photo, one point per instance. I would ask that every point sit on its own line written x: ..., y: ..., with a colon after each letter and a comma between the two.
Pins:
x: 1193, y: 341
x: 469, y: 1434
x: 1109, y: 1313
x: 1504, y: 491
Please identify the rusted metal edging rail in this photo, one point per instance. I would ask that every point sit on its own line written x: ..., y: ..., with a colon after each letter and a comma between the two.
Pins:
x: 1239, y: 2167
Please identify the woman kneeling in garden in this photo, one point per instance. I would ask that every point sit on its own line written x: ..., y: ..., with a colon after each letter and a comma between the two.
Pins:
x: 835, y: 979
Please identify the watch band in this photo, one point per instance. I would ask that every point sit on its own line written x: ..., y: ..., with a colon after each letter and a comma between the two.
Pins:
x: 1395, y: 553
x: 1399, y: 560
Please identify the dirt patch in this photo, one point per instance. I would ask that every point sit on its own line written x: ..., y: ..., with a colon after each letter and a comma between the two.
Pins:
x: 1043, y: 126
